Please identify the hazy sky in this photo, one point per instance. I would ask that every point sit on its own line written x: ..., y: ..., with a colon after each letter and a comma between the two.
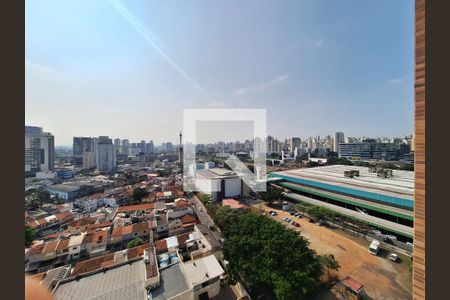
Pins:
x: 127, y: 69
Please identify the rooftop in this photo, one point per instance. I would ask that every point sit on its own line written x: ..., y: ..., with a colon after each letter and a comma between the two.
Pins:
x: 64, y: 188
x: 173, y: 283
x: 124, y: 281
x: 202, y: 269
x: 216, y: 173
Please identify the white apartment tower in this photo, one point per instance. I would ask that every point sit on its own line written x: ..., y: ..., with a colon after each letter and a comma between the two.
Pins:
x: 39, y: 150
x: 105, y: 154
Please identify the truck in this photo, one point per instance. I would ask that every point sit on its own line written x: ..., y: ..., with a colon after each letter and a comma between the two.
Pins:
x: 374, y: 247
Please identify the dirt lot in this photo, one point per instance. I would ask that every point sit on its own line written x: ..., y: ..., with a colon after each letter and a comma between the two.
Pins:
x: 383, y: 278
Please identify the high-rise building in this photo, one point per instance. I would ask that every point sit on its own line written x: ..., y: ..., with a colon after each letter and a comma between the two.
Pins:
x: 149, y: 148
x: 142, y: 147
x: 39, y: 150
x: 295, y: 142
x: 88, y: 159
x: 105, y: 154
x: 81, y: 145
x: 338, y: 139
x: 117, y: 143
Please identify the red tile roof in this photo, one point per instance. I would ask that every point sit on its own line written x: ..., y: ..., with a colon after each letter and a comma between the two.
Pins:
x: 95, y: 237
x: 83, y: 222
x: 352, y: 284
x: 50, y: 247
x: 37, y: 249
x: 232, y: 203
x: 63, y: 244
x: 161, y: 246
x: 146, y: 206
x: 188, y: 220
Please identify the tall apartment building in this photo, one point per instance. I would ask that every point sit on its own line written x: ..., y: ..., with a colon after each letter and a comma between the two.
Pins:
x: 89, y: 160
x: 338, y: 139
x: 80, y: 146
x: 105, y: 154
x: 39, y: 150
x: 142, y: 147
x: 149, y: 147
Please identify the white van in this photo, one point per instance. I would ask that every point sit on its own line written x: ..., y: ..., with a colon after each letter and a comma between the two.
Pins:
x: 374, y: 247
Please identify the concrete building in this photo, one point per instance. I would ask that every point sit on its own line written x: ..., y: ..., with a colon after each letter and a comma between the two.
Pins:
x: 105, y: 155
x: 294, y: 142
x: 338, y: 139
x: 39, y: 150
x: 89, y: 160
x: 219, y: 183
x: 194, y: 280
x: 80, y: 146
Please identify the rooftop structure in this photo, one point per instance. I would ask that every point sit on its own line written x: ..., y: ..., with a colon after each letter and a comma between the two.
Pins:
x: 125, y: 281
x: 396, y: 190
x: 385, y: 202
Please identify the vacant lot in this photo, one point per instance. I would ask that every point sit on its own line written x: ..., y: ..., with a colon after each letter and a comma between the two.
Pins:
x: 383, y: 279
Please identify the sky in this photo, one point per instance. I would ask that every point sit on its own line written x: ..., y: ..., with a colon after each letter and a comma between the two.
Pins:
x: 127, y: 69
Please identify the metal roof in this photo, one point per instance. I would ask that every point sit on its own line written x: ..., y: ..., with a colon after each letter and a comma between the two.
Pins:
x: 122, y: 282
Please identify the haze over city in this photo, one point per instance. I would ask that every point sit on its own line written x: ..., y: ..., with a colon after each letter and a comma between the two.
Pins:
x: 128, y: 69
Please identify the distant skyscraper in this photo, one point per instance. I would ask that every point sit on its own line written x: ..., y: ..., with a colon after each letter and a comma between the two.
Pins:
x: 117, y: 142
x: 142, y: 147
x: 81, y: 145
x: 105, y: 154
x: 39, y: 150
x: 338, y: 138
x: 295, y: 142
x: 150, y: 148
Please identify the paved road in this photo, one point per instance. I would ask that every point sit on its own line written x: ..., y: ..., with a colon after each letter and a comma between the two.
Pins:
x: 203, y: 216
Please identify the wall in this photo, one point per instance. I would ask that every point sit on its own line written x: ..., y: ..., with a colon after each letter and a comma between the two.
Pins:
x: 232, y: 187
x: 419, y: 154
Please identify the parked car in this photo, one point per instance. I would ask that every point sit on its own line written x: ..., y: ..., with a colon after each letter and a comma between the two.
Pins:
x: 410, y: 244
x: 298, y: 215
x: 393, y: 257
x: 295, y: 224
x: 285, y: 219
x: 274, y: 213
x: 391, y: 237
x: 319, y: 223
x: 292, y: 213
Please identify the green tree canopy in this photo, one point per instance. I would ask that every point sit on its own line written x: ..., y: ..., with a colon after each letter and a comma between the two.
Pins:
x: 267, y: 254
x: 329, y: 263
x: 139, y: 193
x: 135, y: 242
x: 224, y: 216
x: 271, y: 194
x: 30, y: 234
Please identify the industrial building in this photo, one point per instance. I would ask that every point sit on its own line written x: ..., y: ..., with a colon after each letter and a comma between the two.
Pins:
x: 382, y: 198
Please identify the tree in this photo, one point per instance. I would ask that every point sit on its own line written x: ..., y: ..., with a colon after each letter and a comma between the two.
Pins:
x: 30, y: 234
x: 271, y: 194
x: 311, y: 164
x: 43, y: 196
x: 139, y: 193
x: 329, y: 263
x: 224, y: 216
x: 266, y: 254
x: 135, y: 242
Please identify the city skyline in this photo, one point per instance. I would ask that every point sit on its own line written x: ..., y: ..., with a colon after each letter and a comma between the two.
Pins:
x: 129, y: 69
